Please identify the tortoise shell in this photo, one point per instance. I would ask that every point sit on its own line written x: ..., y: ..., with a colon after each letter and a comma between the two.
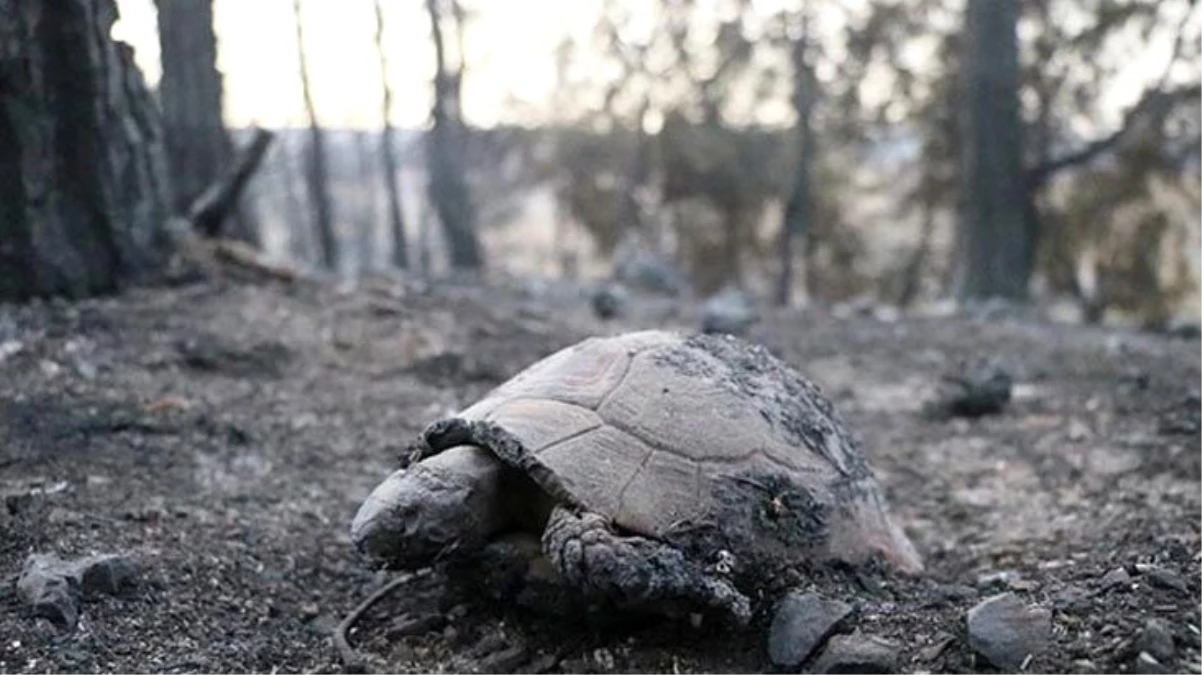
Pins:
x: 707, y: 442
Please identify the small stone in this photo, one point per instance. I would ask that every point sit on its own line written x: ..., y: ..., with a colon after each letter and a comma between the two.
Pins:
x: 1001, y: 579
x: 323, y: 624
x: 1157, y: 640
x: 981, y: 388
x: 543, y: 663
x: 504, y: 660
x: 1005, y: 630
x: 108, y: 574
x: 10, y: 348
x: 46, y: 585
x: 955, y: 592
x: 1146, y: 664
x: 1163, y: 578
x: 729, y: 311
x: 933, y: 650
x: 604, y: 659
x: 801, y: 623
x: 1116, y: 578
x: 53, y: 586
x: 858, y: 653
x: 86, y: 369
x: 457, y: 612
x: 610, y: 301
x: 1073, y: 599
x: 575, y: 665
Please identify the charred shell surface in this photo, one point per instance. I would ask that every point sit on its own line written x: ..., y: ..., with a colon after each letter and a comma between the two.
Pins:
x: 767, y: 524
x: 783, y: 397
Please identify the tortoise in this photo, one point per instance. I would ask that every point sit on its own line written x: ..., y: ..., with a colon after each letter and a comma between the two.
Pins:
x: 660, y: 470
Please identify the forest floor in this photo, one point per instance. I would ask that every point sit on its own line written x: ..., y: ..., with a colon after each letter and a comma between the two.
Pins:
x: 223, y: 435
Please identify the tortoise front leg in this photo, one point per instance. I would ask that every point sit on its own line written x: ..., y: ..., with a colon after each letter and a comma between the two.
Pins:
x: 637, y: 571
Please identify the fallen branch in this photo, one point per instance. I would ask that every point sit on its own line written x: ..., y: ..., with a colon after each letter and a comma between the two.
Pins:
x: 212, y: 208
x: 243, y: 255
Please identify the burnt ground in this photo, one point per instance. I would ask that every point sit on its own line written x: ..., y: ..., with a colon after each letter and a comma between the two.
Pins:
x: 225, y: 434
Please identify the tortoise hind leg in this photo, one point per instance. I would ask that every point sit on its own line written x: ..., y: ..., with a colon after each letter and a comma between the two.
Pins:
x: 635, y: 571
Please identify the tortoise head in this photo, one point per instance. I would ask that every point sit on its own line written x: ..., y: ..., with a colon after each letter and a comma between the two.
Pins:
x: 434, y: 508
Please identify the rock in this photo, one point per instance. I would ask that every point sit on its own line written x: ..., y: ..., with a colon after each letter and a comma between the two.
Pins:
x: 52, y: 586
x: 323, y: 624
x: 999, y: 580
x: 1005, y: 630
x: 211, y: 354
x: 1146, y: 664
x: 802, y: 622
x: 950, y: 593
x: 46, y: 585
x: 981, y: 388
x: 729, y: 311
x: 9, y: 348
x: 1116, y: 578
x: 1158, y: 576
x: 858, y: 653
x: 636, y: 266
x: 1157, y: 640
x: 604, y: 660
x: 936, y: 648
x: 107, y: 574
x: 610, y: 301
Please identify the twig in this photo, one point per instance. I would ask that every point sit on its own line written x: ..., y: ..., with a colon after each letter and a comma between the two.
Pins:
x: 352, y: 660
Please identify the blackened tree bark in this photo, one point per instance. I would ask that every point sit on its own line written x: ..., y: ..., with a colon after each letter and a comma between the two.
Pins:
x: 365, y: 213
x: 795, y: 227
x: 396, y: 216
x: 198, y: 147
x: 317, y: 180
x: 84, y: 202
x: 448, y: 186
x: 997, y: 246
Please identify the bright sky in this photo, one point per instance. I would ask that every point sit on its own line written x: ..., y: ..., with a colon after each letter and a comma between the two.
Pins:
x: 510, y: 45
x: 510, y: 61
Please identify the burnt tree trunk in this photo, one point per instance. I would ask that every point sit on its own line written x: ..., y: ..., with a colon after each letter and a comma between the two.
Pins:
x: 297, y: 219
x: 199, y: 149
x: 448, y: 186
x: 365, y: 213
x: 996, y: 242
x: 317, y: 174
x: 84, y: 202
x: 795, y: 228
x: 396, y: 214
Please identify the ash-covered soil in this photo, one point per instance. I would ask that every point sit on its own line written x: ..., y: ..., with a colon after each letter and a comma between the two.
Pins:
x: 224, y: 435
